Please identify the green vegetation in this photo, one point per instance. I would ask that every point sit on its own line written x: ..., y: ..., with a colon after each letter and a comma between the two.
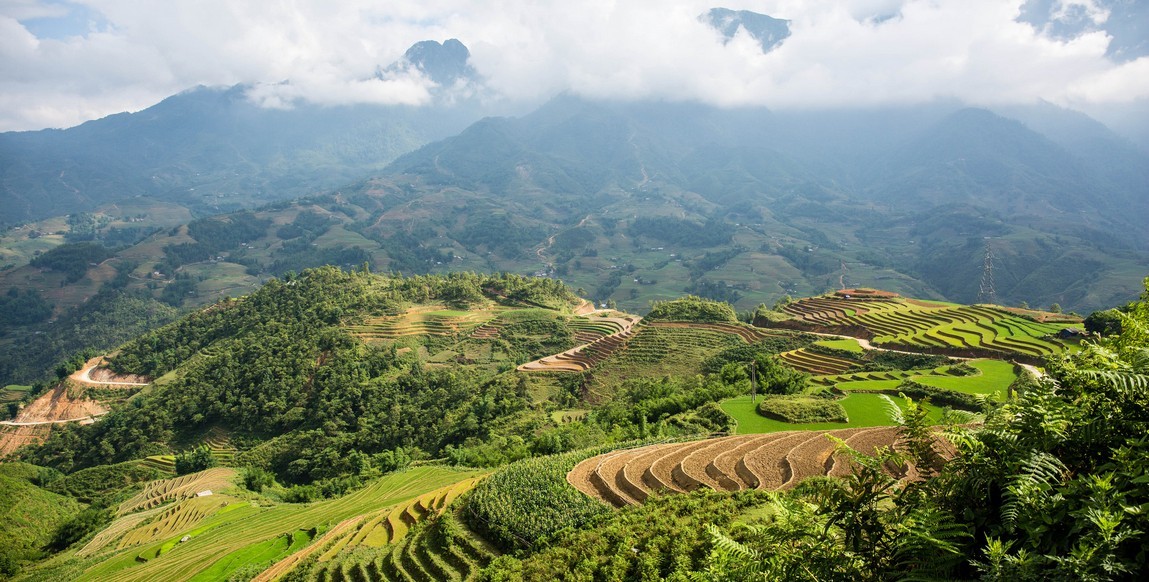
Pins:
x: 524, y: 504
x: 847, y: 345
x: 691, y: 308
x: 18, y: 308
x: 801, y: 409
x: 30, y: 516
x: 993, y: 379
x: 73, y: 259
x: 658, y: 540
x: 194, y: 461
x: 104, y: 484
x: 861, y: 409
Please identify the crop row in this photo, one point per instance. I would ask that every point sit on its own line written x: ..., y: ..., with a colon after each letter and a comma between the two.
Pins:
x: 815, y: 363
x: 761, y: 461
x: 932, y: 327
x: 438, y: 549
x: 160, y: 492
x: 588, y: 355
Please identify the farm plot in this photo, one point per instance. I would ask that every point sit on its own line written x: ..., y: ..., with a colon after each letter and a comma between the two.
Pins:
x: 862, y: 410
x: 251, y: 535
x: 160, y: 492
x: 814, y: 363
x: 588, y: 355
x: 442, y: 548
x: 425, y: 320
x: 776, y: 461
x: 922, y: 325
x: 655, y: 351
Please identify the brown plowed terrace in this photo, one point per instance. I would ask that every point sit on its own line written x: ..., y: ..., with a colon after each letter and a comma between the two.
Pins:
x: 760, y: 461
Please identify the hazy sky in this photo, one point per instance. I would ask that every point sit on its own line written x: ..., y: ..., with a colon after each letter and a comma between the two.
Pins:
x: 63, y: 62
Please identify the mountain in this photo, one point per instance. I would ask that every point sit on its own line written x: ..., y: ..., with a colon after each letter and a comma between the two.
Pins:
x: 445, y: 64
x: 636, y: 202
x: 213, y: 150
x: 767, y: 30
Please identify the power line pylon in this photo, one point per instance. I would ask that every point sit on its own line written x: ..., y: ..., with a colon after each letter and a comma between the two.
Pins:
x: 987, y: 293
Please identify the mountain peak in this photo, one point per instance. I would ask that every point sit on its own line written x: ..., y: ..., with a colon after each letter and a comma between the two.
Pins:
x: 443, y: 63
x: 767, y: 30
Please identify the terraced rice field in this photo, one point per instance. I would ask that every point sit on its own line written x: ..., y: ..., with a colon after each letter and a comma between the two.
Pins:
x: 179, y: 517
x: 423, y: 321
x: 814, y: 363
x: 748, y: 333
x: 895, y: 376
x: 221, y: 448
x: 160, y: 492
x: 248, y: 535
x: 440, y: 549
x: 925, y: 325
x: 588, y: 355
x: 777, y: 460
x: 388, y: 527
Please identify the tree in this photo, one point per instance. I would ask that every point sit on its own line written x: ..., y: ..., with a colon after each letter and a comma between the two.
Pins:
x: 1107, y: 322
x: 197, y: 459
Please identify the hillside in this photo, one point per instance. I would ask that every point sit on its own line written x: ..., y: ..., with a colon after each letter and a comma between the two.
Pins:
x: 345, y: 398
x: 629, y: 202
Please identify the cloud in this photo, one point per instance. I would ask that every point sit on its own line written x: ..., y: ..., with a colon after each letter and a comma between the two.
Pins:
x: 847, y: 52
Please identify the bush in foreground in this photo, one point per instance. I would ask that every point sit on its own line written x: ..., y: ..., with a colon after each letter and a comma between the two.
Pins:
x: 802, y: 409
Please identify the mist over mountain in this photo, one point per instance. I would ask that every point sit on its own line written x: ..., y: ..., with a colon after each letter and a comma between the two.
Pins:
x: 767, y: 30
x: 214, y: 150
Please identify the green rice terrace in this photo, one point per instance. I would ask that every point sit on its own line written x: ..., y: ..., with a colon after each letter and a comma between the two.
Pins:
x: 431, y: 439
x: 896, y: 322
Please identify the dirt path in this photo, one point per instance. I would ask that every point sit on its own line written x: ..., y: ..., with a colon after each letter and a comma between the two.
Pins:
x: 81, y: 419
x: 541, y: 251
x: 57, y: 406
x: 104, y: 376
x: 1038, y: 373
x: 867, y: 345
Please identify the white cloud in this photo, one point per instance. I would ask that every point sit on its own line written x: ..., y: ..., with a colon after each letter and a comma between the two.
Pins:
x: 840, y: 53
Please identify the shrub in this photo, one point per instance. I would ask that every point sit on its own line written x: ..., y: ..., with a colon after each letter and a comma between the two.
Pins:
x: 692, y: 308
x: 194, y: 460
x: 942, y: 397
x: 256, y: 479
x: 78, y: 527
x: 802, y: 409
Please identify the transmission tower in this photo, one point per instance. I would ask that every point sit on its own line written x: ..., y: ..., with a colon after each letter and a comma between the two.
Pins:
x: 987, y: 293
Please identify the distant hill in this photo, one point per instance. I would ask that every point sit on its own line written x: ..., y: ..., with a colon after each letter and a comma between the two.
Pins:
x: 629, y: 202
x: 213, y: 150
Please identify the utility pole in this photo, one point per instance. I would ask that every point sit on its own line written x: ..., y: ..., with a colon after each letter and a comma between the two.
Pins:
x: 987, y: 293
x: 753, y: 380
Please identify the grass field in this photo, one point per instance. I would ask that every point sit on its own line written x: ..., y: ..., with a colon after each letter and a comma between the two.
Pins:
x: 994, y: 379
x: 862, y: 410
x: 849, y: 345
x: 249, y: 533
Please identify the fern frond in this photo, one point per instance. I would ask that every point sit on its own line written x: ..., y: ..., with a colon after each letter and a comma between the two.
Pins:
x: 1138, y: 384
x: 892, y: 409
